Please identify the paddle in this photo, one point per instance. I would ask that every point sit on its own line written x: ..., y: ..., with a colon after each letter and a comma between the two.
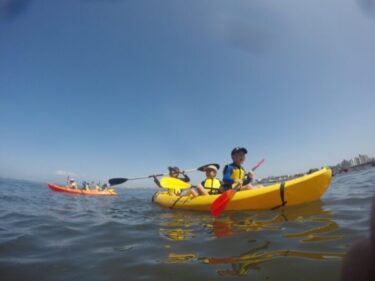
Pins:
x: 220, y: 204
x: 173, y: 183
x: 116, y: 181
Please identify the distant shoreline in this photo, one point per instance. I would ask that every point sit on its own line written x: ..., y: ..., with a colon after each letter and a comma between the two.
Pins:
x: 340, y: 170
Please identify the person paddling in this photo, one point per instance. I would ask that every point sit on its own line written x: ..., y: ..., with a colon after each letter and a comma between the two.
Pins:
x: 174, y: 172
x: 234, y: 174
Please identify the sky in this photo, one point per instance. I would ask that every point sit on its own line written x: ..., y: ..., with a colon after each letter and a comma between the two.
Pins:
x: 111, y: 88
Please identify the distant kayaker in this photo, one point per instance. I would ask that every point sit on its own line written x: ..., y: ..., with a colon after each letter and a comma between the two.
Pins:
x: 234, y: 174
x: 104, y: 187
x: 174, y: 172
x: 72, y: 184
x: 85, y: 186
x: 210, y: 186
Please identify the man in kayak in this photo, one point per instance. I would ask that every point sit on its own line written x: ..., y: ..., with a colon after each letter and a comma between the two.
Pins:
x: 174, y: 172
x: 234, y: 174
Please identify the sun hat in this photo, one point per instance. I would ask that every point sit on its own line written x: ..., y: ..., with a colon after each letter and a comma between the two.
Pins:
x: 212, y: 167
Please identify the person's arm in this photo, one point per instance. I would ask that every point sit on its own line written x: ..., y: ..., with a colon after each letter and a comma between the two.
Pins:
x: 186, y: 178
x: 249, y: 178
x: 228, y: 175
x: 156, y: 181
x: 202, y: 189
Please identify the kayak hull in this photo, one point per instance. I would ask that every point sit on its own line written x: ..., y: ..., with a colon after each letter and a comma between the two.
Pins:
x: 297, y: 191
x: 81, y: 192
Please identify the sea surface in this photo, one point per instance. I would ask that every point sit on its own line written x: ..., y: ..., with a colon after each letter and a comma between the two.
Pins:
x: 45, y: 235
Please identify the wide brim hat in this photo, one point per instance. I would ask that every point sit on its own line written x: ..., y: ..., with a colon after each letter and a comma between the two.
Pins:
x: 214, y: 167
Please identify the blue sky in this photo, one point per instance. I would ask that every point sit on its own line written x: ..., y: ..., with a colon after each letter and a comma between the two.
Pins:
x: 125, y: 88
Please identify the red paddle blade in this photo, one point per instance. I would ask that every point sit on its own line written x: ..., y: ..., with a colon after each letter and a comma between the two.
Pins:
x: 220, y: 204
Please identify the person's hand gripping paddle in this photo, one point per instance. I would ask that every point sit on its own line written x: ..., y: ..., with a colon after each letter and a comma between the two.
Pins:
x: 221, y: 203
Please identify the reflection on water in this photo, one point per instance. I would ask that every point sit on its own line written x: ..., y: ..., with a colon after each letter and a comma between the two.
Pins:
x: 255, y: 257
x: 292, y: 227
x: 181, y: 258
x: 312, y: 235
x: 176, y: 234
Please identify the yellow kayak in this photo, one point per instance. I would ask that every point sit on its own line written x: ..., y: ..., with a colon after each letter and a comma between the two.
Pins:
x: 307, y: 188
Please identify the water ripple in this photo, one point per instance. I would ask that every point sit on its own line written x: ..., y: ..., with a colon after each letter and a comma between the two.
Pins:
x: 51, y: 236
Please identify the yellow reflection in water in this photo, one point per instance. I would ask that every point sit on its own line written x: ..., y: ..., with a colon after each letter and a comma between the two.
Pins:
x: 312, y: 234
x: 181, y: 258
x: 321, y: 228
x: 176, y: 233
x: 242, y: 264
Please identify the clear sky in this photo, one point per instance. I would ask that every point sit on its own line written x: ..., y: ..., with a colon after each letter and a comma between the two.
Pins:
x: 125, y: 88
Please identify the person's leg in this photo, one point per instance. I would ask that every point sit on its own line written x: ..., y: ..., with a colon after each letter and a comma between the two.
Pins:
x: 188, y: 192
x: 191, y: 191
x: 202, y: 190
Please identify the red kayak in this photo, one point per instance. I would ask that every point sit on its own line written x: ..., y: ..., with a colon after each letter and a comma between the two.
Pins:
x: 57, y: 188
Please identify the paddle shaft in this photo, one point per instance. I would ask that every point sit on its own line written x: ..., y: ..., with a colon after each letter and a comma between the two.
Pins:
x: 257, y: 165
x: 253, y: 169
x: 161, y: 175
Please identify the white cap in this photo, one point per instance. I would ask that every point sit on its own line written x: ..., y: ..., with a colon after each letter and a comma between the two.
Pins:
x: 212, y: 167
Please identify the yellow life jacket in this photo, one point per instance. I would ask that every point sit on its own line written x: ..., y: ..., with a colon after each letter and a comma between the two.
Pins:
x: 237, y: 173
x: 212, y: 185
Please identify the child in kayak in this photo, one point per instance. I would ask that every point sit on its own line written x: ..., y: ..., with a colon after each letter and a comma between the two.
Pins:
x: 210, y: 186
x: 174, y: 172
x: 234, y: 174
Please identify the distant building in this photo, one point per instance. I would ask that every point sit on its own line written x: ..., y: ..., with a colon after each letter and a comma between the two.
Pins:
x: 357, y: 161
x: 345, y: 164
x: 363, y: 158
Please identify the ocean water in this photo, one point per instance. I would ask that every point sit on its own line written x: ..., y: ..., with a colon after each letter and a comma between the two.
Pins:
x: 46, y: 235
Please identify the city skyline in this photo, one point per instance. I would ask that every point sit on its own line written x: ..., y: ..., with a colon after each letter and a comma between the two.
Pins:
x: 355, y: 161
